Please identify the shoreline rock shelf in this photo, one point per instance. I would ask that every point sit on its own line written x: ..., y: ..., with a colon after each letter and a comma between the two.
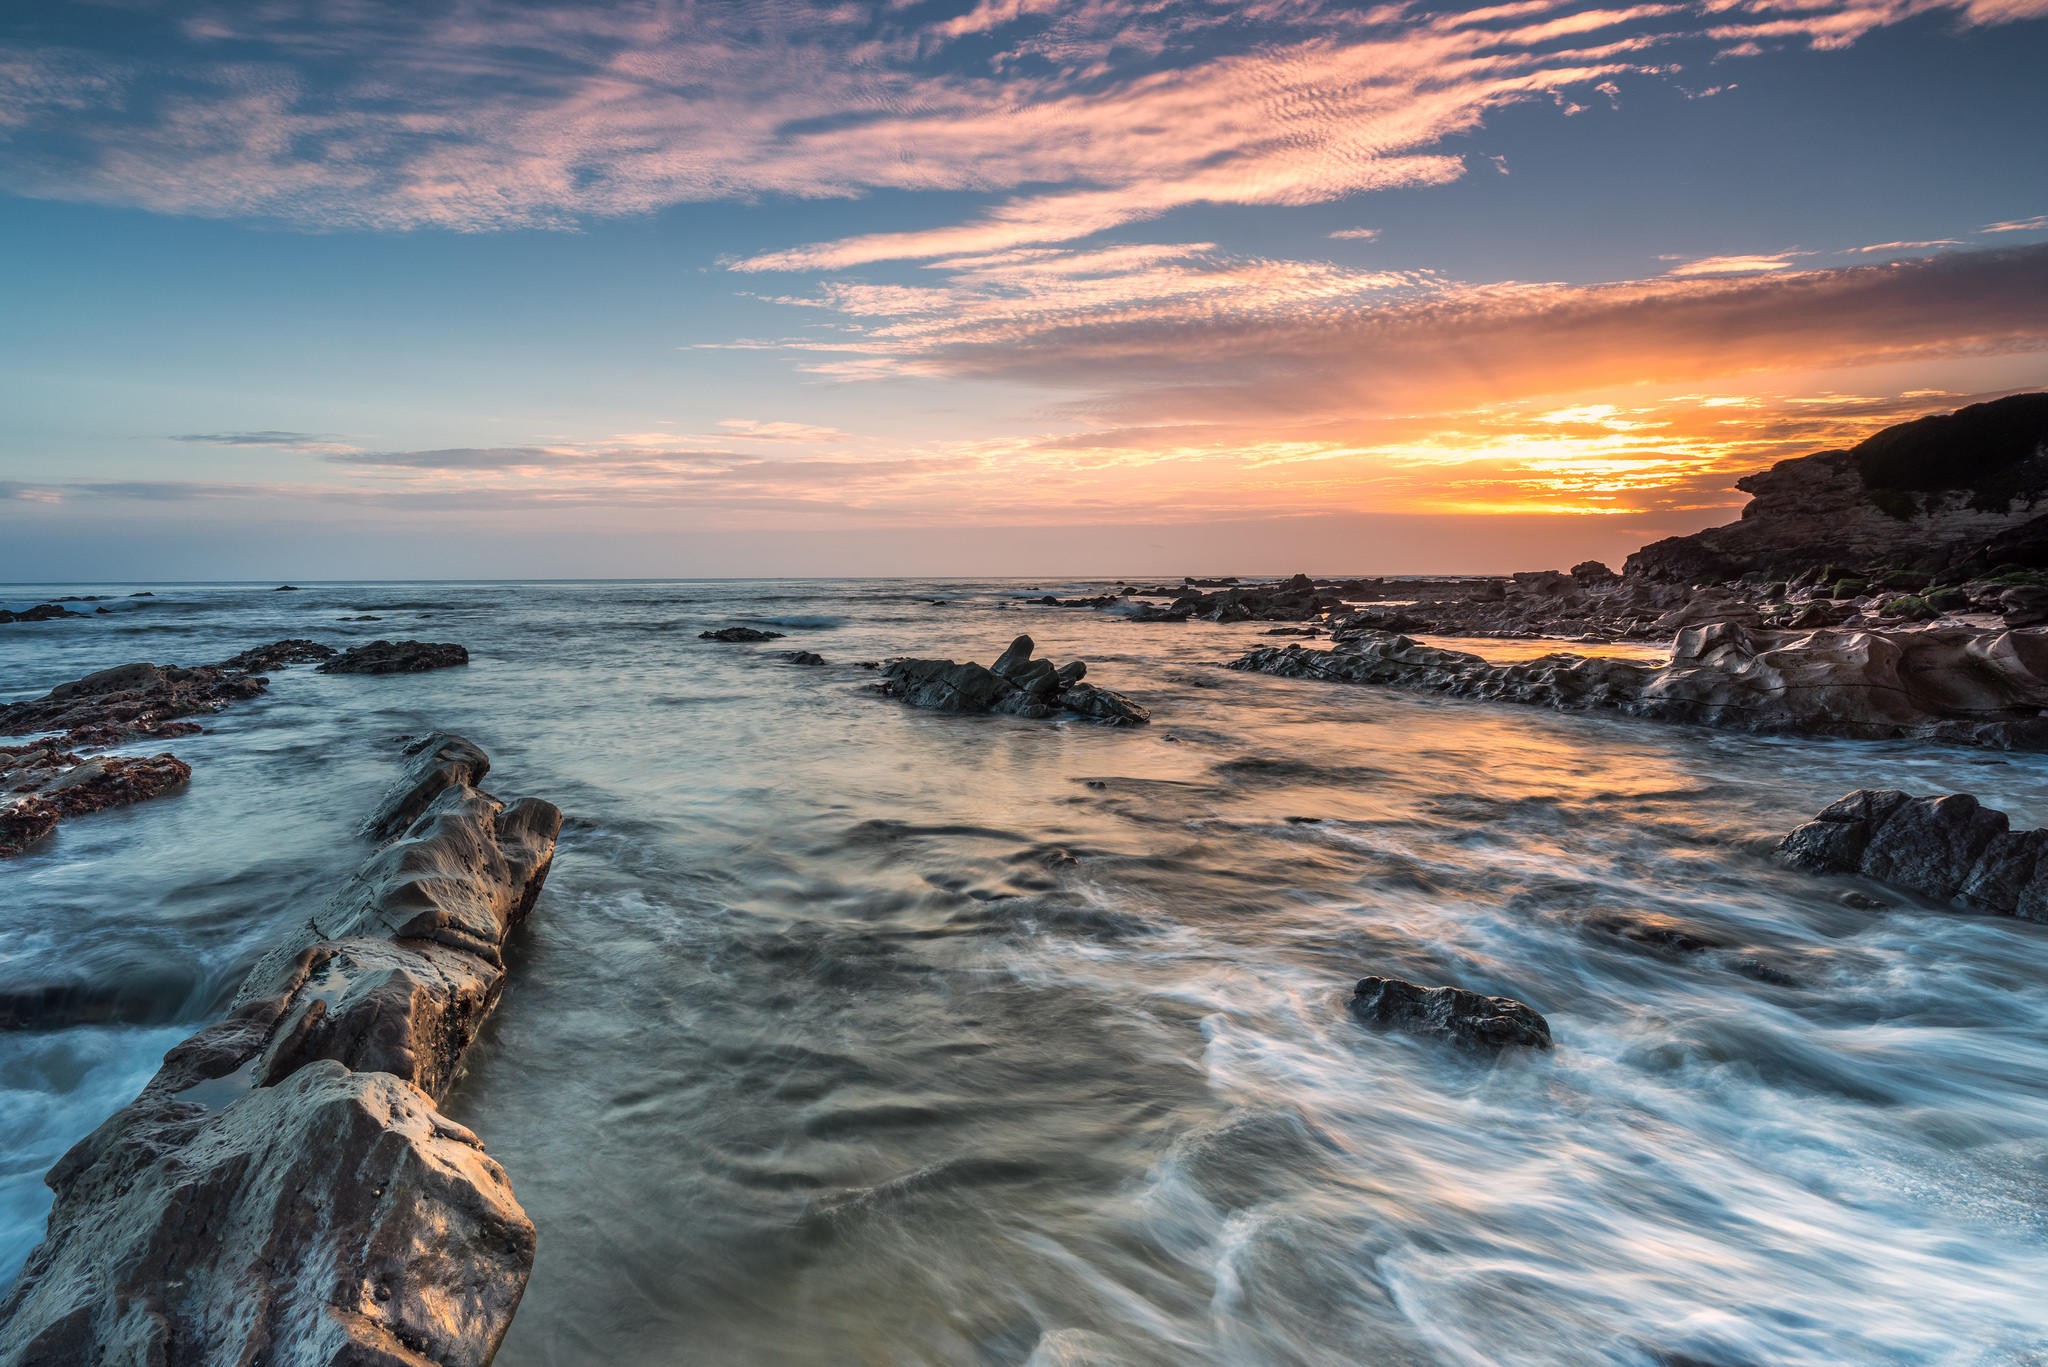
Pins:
x: 286, y: 1188
x: 1952, y: 684
x: 46, y: 784
x: 1015, y: 685
x: 1950, y: 849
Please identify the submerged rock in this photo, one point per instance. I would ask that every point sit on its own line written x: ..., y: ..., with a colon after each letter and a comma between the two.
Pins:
x: 804, y: 657
x: 739, y: 634
x: 396, y: 657
x: 1015, y: 684
x: 285, y: 1189
x: 1452, y: 1013
x: 1945, y: 683
x: 1949, y: 848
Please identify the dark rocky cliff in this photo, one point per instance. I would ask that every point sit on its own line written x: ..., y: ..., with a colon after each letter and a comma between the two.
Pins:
x: 1929, y: 494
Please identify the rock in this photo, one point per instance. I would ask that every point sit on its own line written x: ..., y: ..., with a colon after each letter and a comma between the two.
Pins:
x: 1947, y: 683
x: 1949, y: 848
x: 2025, y: 605
x: 92, y: 785
x: 278, y: 655
x: 440, y: 761
x: 1463, y: 1017
x: 803, y: 657
x: 46, y: 612
x: 1016, y: 684
x: 736, y: 634
x: 396, y: 657
x: 1937, y: 488
x: 286, y: 588
x: 285, y: 1189
x: 1589, y: 573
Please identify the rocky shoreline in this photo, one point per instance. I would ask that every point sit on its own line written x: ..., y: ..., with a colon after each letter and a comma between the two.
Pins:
x: 286, y: 1188
x: 1015, y: 685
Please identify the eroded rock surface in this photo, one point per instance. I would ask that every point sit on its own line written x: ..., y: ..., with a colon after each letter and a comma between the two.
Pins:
x: 1946, y: 683
x: 396, y: 657
x: 41, y: 787
x: 285, y: 1190
x: 1452, y: 1013
x: 1949, y: 848
x: 1016, y: 684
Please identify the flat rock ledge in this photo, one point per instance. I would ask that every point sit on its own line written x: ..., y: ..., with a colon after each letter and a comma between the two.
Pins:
x: 739, y: 635
x: 1950, y: 848
x: 1015, y: 684
x: 42, y: 785
x: 1953, y: 684
x: 1452, y: 1013
x: 286, y: 1190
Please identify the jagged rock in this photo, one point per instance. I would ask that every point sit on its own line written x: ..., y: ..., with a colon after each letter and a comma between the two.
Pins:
x: 44, y: 612
x: 737, y: 634
x: 440, y: 761
x: 1449, y: 1012
x: 285, y: 1190
x: 1590, y: 573
x: 1948, y: 848
x: 278, y: 655
x: 142, y: 699
x: 92, y: 785
x: 1016, y: 685
x: 804, y: 657
x: 396, y: 657
x: 1946, y: 683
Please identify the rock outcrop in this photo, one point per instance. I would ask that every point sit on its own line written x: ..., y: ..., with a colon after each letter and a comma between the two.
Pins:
x: 42, y: 612
x: 803, y: 657
x: 396, y: 657
x: 1016, y: 684
x: 285, y: 1190
x: 1949, y: 848
x: 1935, y: 489
x: 1452, y: 1013
x: 1955, y: 684
x: 739, y: 635
x: 40, y: 786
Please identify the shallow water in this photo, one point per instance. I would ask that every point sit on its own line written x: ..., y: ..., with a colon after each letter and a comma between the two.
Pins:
x: 846, y: 1033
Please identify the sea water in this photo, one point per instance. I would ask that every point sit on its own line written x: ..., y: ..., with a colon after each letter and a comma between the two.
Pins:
x: 850, y: 1034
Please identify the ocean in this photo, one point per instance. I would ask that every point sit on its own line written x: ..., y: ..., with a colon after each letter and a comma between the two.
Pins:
x: 846, y: 1033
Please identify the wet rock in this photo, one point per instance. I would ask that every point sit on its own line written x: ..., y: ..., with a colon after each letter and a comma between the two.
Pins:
x: 44, y: 612
x: 436, y: 763
x: 286, y: 588
x: 143, y: 699
x: 738, y: 634
x: 1451, y: 1013
x: 804, y: 657
x: 1949, y: 848
x: 279, y: 655
x: 285, y: 1190
x: 396, y: 657
x: 2024, y: 605
x: 1944, y: 682
x: 92, y: 785
x: 1016, y: 685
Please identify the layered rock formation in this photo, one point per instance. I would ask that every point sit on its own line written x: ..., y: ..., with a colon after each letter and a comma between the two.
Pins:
x: 1927, y: 493
x: 1015, y: 684
x: 285, y: 1190
x: 1953, y: 684
x: 1451, y: 1013
x: 1948, y: 848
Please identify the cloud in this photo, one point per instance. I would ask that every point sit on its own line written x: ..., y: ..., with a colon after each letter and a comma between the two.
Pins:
x: 2037, y: 224
x: 1355, y: 234
x: 1736, y: 265
x: 309, y: 442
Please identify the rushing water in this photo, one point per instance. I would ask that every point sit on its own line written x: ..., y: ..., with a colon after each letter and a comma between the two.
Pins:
x: 849, y: 1034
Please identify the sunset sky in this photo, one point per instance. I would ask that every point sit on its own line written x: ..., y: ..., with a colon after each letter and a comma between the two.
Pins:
x: 339, y: 288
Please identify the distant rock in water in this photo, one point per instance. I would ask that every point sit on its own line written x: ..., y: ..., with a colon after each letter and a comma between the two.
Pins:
x: 1944, y: 683
x: 804, y: 657
x: 44, y: 785
x: 1951, y: 849
x: 1452, y: 1013
x: 396, y: 657
x: 1015, y: 684
x: 739, y: 634
x: 286, y: 1189
x: 46, y: 612
x: 1941, y: 490
x: 278, y: 655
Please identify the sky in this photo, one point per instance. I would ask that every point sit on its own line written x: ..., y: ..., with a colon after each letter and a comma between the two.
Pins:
x: 476, y: 289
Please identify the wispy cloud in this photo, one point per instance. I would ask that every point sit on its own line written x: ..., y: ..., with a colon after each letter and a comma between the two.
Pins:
x: 312, y: 443
x: 1737, y: 265
x: 2036, y: 224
